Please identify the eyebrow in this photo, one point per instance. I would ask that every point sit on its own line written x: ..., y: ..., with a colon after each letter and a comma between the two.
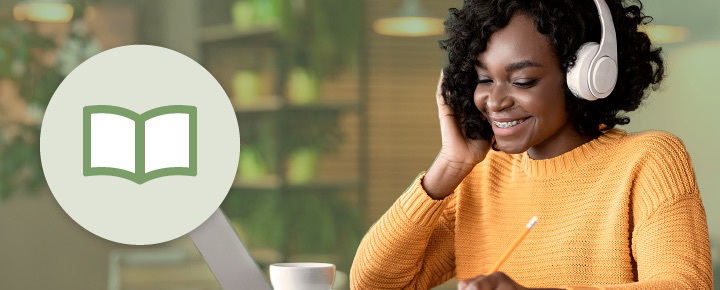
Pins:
x: 515, y: 65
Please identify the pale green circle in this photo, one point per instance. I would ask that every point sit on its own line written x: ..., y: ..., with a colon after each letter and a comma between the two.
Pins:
x: 139, y: 78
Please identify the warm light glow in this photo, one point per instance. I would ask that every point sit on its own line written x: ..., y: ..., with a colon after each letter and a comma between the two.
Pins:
x: 409, y: 26
x: 90, y: 13
x: 43, y: 11
x: 661, y: 34
x: 19, y: 13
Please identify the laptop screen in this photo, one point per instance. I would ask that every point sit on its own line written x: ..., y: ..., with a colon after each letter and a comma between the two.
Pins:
x: 225, y: 254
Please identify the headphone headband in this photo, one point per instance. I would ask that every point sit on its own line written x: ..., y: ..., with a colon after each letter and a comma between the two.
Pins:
x: 608, y: 40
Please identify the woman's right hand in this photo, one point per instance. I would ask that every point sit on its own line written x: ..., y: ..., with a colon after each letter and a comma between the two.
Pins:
x: 458, y: 154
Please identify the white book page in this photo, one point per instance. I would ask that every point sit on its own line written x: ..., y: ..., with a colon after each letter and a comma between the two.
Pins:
x: 112, y: 141
x: 167, y: 142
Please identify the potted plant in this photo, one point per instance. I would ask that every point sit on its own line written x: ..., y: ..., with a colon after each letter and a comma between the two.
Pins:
x: 320, y: 38
x: 28, y: 77
x: 309, y: 134
x: 257, y: 149
x: 32, y: 66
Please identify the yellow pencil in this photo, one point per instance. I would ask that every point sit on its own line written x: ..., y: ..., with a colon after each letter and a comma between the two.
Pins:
x: 514, y: 245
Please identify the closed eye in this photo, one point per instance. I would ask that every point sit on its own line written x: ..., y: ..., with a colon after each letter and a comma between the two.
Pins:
x: 484, y: 81
x: 526, y: 84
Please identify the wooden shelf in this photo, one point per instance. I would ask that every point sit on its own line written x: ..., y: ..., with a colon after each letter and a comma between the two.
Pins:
x: 324, y: 106
x: 275, y: 106
x: 229, y: 33
x: 273, y: 182
x: 269, y: 104
x: 321, y: 185
x: 267, y: 182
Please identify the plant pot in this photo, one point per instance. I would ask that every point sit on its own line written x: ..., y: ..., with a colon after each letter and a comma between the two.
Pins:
x: 246, y: 87
x: 265, y: 13
x: 242, y: 14
x: 251, y: 166
x: 302, y: 165
x: 303, y: 87
x: 247, y: 14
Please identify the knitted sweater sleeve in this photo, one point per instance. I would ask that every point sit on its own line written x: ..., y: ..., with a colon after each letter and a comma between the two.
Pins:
x: 670, y: 242
x: 411, y: 246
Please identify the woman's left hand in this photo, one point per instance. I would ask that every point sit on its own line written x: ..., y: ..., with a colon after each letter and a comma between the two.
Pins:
x: 497, y: 280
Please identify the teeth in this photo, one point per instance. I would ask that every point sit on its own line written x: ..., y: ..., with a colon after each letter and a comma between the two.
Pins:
x: 508, y: 124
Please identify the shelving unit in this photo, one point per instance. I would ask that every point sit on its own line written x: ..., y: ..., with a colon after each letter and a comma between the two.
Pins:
x: 228, y: 33
x: 274, y: 105
x: 270, y: 123
x: 222, y: 37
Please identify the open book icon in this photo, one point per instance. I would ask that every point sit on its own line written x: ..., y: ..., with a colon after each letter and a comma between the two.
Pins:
x: 139, y: 147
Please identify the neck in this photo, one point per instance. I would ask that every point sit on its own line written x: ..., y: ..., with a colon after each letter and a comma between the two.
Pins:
x: 564, y: 140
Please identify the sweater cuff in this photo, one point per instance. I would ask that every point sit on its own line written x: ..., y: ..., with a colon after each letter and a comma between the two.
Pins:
x: 419, y: 207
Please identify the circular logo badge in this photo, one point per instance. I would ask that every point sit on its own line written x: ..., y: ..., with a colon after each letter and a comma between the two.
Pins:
x: 139, y: 144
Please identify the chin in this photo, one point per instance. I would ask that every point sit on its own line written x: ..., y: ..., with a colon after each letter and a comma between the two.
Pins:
x: 511, y: 148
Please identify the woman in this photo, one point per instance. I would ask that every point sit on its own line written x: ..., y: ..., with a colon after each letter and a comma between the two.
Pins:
x: 616, y: 210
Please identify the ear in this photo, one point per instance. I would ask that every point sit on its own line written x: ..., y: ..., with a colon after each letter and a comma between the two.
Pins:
x: 577, y: 76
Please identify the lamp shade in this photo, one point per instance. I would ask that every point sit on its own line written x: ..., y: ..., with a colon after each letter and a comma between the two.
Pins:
x: 56, y: 11
x: 663, y: 34
x: 410, y: 21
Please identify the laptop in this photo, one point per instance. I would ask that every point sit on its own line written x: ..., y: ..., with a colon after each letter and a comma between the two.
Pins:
x: 225, y: 254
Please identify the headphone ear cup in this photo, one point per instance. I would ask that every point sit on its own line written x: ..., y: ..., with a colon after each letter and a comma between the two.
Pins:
x: 577, y: 76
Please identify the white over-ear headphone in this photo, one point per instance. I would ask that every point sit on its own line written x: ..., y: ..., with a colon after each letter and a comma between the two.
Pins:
x: 595, y: 71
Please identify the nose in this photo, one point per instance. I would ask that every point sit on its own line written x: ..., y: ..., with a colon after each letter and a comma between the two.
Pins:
x: 494, y: 98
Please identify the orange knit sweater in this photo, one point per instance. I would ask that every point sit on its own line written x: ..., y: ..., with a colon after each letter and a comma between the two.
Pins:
x: 620, y: 212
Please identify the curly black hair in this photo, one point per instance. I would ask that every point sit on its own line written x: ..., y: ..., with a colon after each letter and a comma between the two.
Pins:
x: 567, y: 24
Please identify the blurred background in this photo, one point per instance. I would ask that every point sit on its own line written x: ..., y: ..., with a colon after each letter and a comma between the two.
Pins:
x: 334, y: 100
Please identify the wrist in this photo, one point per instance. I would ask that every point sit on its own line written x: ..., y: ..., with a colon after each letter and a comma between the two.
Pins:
x: 443, y: 177
x: 454, y: 163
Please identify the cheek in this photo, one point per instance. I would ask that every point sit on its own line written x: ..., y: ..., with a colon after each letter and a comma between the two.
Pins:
x: 556, y: 101
x: 547, y: 99
x: 549, y: 107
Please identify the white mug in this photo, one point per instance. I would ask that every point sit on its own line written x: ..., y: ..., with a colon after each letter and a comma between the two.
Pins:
x: 302, y: 276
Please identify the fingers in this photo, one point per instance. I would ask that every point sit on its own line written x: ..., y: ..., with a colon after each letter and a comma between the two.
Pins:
x: 497, y: 280
x: 438, y: 93
x: 443, y: 108
x: 462, y: 284
x: 449, y: 124
x: 480, y: 282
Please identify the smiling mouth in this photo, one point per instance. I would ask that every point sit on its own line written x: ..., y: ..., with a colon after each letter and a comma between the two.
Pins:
x: 504, y: 125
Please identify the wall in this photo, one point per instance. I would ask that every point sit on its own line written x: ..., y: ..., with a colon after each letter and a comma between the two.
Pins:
x: 404, y: 130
